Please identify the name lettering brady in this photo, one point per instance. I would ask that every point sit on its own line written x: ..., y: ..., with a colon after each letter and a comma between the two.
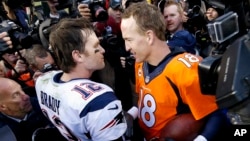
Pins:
x: 50, y: 102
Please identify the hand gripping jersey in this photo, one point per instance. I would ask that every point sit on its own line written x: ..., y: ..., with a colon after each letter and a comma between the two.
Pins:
x: 81, y: 109
x: 172, y: 85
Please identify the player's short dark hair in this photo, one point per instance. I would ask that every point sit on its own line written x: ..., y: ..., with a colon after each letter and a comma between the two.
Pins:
x: 66, y: 36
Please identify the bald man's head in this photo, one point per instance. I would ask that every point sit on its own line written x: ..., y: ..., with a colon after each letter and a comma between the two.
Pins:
x: 13, y: 101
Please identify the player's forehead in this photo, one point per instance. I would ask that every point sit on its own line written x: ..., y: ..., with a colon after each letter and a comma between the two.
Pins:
x: 128, y: 25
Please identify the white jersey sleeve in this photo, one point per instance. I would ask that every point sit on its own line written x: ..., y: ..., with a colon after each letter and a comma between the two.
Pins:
x: 81, y: 109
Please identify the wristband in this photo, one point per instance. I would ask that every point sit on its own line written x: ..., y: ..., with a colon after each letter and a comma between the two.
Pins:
x: 133, y: 112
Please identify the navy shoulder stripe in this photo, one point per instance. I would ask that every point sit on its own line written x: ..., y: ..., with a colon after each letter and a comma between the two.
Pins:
x: 98, y: 103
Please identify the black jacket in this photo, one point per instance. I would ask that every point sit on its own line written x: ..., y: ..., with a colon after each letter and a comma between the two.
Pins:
x: 23, y: 131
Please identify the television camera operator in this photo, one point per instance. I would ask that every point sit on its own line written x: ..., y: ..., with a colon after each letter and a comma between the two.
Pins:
x: 227, y: 73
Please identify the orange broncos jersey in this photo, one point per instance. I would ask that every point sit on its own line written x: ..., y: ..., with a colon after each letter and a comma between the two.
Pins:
x: 158, y: 100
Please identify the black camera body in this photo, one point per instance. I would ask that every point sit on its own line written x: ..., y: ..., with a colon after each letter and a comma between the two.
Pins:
x: 97, y: 9
x: 19, y: 40
x: 193, y: 12
x: 227, y: 74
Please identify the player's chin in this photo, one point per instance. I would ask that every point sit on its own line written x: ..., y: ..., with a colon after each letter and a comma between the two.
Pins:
x: 139, y: 60
x: 101, y: 66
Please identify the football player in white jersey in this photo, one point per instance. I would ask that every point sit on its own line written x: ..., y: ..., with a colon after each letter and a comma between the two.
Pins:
x: 81, y: 109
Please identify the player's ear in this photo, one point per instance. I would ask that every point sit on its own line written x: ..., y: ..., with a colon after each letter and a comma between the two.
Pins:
x: 150, y: 36
x: 76, y: 55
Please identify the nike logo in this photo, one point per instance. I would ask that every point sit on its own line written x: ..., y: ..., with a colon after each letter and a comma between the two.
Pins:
x: 114, y: 108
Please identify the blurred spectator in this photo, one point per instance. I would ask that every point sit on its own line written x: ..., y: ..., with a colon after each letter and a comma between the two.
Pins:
x: 20, y: 115
x: 15, y: 66
x: 213, y: 12
x: 54, y: 12
x: 92, y: 106
x: 40, y: 59
x: 16, y: 13
x: 177, y: 36
x: 202, y: 36
x: 115, y: 10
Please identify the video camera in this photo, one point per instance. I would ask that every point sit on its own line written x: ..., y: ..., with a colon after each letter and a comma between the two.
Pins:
x: 193, y: 12
x: 97, y: 9
x: 226, y: 74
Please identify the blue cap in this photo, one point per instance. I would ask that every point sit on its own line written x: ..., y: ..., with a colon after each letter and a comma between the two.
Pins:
x: 114, y: 4
x: 183, y: 39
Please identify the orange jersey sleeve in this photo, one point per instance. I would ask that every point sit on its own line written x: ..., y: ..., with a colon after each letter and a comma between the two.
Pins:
x: 157, y: 99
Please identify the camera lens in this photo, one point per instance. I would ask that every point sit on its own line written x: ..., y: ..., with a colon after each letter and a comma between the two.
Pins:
x: 100, y: 13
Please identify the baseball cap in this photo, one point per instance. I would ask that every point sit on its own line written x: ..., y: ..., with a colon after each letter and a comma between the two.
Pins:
x: 114, y: 4
x: 219, y: 10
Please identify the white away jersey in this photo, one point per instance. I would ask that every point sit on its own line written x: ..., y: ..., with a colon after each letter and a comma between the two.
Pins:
x: 81, y: 109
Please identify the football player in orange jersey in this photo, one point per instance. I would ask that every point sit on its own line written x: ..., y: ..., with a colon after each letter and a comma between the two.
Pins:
x: 167, y: 81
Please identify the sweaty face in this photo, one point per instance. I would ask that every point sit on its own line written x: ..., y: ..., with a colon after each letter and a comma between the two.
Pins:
x: 93, y: 55
x: 14, y: 102
x: 135, y: 42
x: 173, y: 18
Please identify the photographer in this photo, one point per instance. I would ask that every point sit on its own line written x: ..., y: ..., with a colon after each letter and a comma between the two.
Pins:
x: 15, y: 67
x: 40, y: 60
